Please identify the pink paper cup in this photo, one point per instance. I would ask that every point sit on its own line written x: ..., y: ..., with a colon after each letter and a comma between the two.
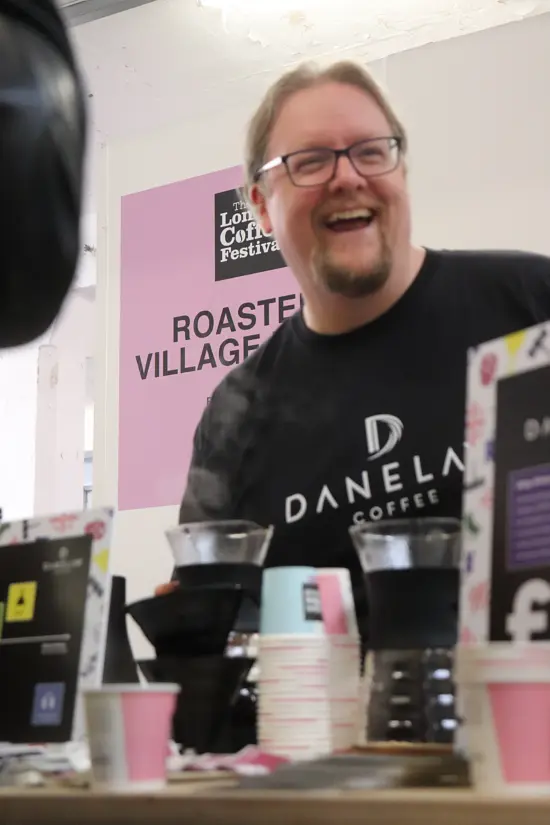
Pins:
x: 504, y: 690
x: 129, y: 729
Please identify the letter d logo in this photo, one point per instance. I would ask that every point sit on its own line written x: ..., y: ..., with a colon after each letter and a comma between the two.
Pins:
x: 389, y: 427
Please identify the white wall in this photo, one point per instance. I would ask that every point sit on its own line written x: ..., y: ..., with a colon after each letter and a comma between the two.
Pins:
x: 478, y: 112
x: 89, y: 428
x: 63, y: 365
x: 36, y: 474
x: 18, y: 397
x: 173, y: 62
x: 479, y: 118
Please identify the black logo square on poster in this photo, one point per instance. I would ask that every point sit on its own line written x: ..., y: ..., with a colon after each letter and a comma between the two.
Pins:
x: 521, y: 520
x: 241, y: 247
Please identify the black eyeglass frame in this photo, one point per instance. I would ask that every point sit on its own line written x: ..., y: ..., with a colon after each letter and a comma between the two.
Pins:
x: 395, y: 141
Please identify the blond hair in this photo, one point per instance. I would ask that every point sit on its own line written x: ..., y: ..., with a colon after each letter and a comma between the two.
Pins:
x: 305, y: 76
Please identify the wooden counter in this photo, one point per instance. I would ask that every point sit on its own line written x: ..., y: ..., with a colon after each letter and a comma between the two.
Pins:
x: 200, y: 803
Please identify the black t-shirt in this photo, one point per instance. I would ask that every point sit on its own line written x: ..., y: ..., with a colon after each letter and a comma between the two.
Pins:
x: 313, y: 433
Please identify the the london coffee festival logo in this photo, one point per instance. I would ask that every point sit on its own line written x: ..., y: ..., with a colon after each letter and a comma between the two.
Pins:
x: 241, y: 246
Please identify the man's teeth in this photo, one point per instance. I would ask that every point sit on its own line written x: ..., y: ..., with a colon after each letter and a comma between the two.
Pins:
x: 350, y: 215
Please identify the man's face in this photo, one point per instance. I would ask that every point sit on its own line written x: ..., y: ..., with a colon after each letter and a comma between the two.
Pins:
x: 351, y: 258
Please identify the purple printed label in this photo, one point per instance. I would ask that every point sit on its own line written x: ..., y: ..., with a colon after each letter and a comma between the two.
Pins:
x: 529, y: 517
x: 47, y: 707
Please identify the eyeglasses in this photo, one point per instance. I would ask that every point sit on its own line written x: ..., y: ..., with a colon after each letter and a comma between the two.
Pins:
x: 315, y: 167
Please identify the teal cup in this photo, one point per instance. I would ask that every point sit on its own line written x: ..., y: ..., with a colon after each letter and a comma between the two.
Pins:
x: 290, y: 602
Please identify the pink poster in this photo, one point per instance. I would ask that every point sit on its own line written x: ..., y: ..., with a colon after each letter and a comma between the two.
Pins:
x: 201, y: 288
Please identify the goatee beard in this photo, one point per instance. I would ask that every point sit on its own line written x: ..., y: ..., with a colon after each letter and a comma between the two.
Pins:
x: 352, y: 283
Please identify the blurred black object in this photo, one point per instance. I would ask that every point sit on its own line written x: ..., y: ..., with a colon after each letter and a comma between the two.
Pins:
x: 119, y: 666
x: 248, y: 620
x: 247, y: 576
x: 189, y: 622
x: 223, y: 551
x: 210, y: 687
x: 411, y: 696
x: 42, y: 147
x: 240, y: 728
x: 193, y: 632
x: 365, y: 771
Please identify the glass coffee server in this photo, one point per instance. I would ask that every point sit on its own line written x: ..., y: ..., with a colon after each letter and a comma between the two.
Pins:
x: 411, y: 570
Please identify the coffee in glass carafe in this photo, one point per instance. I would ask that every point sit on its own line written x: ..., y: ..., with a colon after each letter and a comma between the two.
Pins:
x: 411, y: 570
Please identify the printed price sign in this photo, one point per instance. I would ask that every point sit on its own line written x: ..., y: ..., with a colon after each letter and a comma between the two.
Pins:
x: 520, y: 578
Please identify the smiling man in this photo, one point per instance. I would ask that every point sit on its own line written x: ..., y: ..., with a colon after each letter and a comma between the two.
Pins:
x: 341, y: 215
x: 353, y: 410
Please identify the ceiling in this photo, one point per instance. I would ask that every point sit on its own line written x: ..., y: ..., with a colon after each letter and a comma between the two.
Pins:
x: 77, y: 12
x: 169, y: 61
x: 153, y: 65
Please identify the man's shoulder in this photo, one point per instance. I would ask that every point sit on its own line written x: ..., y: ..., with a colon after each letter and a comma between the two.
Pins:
x: 511, y: 283
x: 244, y: 393
x: 490, y: 265
x: 254, y: 374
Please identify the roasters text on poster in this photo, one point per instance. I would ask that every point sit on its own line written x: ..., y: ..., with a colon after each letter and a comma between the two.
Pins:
x: 263, y: 315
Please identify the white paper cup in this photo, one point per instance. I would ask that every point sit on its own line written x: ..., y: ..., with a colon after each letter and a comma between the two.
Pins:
x: 295, y: 640
x: 505, y: 696
x: 298, y: 752
x: 309, y: 690
x: 129, y: 730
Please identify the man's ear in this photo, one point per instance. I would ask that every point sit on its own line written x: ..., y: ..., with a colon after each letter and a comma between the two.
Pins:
x: 258, y: 200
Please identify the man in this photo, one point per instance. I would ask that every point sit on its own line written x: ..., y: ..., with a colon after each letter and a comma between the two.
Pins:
x: 354, y: 409
x: 42, y: 145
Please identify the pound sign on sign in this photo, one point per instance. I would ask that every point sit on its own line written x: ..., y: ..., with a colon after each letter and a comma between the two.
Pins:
x: 523, y: 621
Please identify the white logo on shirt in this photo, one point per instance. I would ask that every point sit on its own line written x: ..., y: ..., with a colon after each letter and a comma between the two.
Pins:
x: 383, y: 433
x: 388, y: 425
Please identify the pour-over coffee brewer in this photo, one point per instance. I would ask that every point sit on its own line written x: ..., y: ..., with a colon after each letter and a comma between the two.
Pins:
x: 202, y: 632
x: 411, y: 570
x: 228, y: 552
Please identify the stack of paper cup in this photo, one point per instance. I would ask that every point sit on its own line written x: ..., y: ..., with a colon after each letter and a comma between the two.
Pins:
x: 504, y: 690
x: 309, y: 664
